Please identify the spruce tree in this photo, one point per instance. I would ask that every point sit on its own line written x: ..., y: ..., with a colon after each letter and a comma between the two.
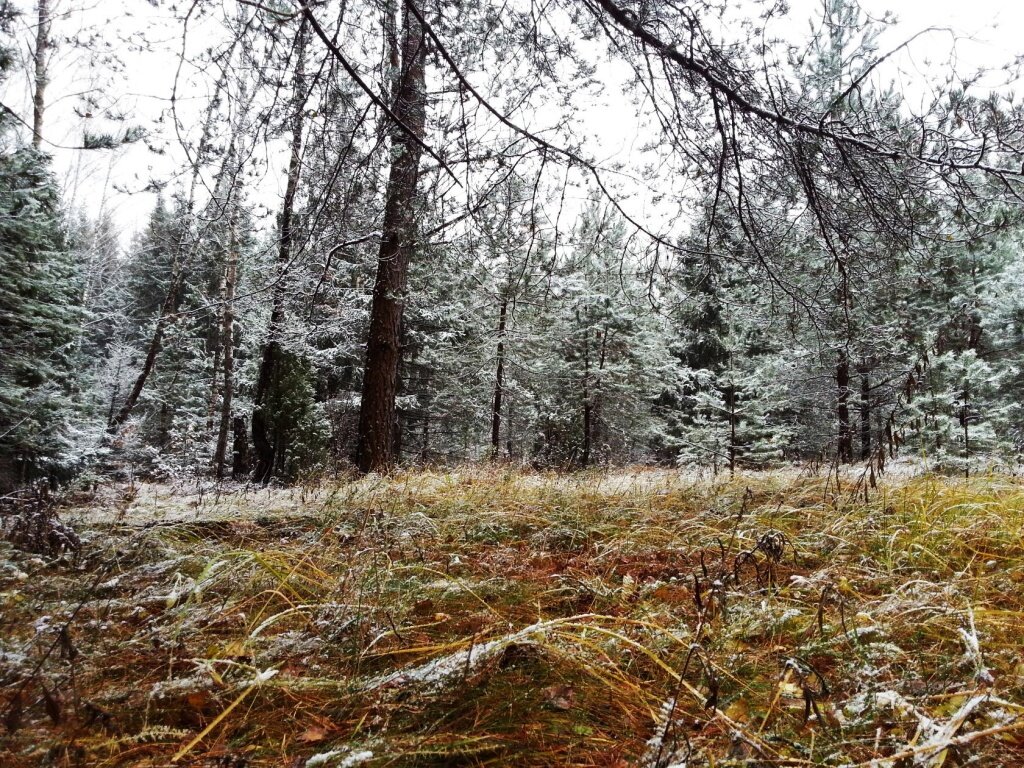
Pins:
x: 39, y: 311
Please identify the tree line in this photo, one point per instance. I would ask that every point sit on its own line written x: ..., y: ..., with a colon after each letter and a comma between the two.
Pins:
x: 820, y: 271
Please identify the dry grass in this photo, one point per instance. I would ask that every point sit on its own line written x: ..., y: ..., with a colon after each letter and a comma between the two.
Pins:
x: 490, y: 618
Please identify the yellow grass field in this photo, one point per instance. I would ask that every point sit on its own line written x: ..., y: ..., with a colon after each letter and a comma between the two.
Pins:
x: 486, y: 618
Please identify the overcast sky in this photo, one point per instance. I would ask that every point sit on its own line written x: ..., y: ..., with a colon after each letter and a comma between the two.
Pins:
x: 988, y: 32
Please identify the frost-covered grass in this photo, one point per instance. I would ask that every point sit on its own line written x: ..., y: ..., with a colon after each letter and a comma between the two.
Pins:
x: 498, y: 618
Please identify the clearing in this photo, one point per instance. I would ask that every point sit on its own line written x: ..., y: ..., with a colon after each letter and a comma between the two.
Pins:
x: 497, y: 618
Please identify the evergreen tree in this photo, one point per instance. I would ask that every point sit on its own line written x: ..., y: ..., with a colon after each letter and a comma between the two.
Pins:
x: 612, y: 359
x: 39, y: 311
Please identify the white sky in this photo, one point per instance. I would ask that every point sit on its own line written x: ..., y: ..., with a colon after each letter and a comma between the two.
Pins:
x: 141, y: 89
x: 988, y: 32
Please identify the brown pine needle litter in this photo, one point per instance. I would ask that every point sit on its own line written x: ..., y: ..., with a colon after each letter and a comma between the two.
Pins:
x: 490, y: 617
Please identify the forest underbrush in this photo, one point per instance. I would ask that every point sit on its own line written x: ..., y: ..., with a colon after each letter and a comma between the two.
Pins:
x: 492, y: 617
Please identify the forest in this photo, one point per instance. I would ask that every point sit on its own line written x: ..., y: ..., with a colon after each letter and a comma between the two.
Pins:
x: 535, y: 382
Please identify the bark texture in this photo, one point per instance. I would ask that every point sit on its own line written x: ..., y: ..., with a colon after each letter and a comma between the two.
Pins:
x: 865, y: 413
x: 41, y: 79
x: 227, y: 338
x: 499, y: 382
x: 845, y: 444
x: 377, y: 412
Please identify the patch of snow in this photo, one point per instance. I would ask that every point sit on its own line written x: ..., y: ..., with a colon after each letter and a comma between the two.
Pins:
x: 790, y: 613
x: 180, y: 685
x: 972, y: 652
x: 941, y: 735
x: 659, y: 751
x: 885, y: 649
x: 291, y: 643
x: 323, y: 758
x: 356, y: 758
x: 440, y: 671
x: 348, y: 761
x: 13, y: 660
x: 266, y: 674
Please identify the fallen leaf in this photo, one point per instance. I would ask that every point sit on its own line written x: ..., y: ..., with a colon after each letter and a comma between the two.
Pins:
x: 199, y: 700
x: 313, y: 734
x: 423, y: 607
x: 560, y: 697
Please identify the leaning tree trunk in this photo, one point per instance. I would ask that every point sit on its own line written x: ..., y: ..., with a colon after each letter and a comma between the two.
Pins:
x: 41, y: 78
x: 375, y: 449
x: 263, y: 442
x: 227, y: 338
x: 155, y: 342
x: 181, y: 262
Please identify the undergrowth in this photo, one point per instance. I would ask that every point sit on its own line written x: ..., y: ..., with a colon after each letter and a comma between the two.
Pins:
x: 493, y: 618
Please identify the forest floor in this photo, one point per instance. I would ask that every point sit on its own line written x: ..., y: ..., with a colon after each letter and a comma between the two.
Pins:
x: 497, y: 618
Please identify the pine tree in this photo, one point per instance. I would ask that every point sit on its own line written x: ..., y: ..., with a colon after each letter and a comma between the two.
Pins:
x: 39, y: 311
x: 728, y: 410
x: 595, y: 400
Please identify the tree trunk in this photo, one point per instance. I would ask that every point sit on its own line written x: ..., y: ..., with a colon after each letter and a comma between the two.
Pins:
x: 588, y: 407
x: 41, y: 78
x: 845, y: 444
x: 510, y: 432
x: 264, y: 444
x: 425, y: 430
x: 965, y: 421
x: 865, y: 413
x: 181, y: 261
x: 227, y: 337
x: 166, y: 313
x: 596, y: 391
x: 732, y: 427
x: 211, y: 405
x: 239, y: 448
x: 375, y: 449
x: 115, y: 389
x: 499, y: 382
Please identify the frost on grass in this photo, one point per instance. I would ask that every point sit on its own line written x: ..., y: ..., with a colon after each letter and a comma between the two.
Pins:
x: 972, y: 651
x: 663, y: 748
x: 339, y: 758
x: 412, y: 633
x: 932, y: 736
x: 439, y: 672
